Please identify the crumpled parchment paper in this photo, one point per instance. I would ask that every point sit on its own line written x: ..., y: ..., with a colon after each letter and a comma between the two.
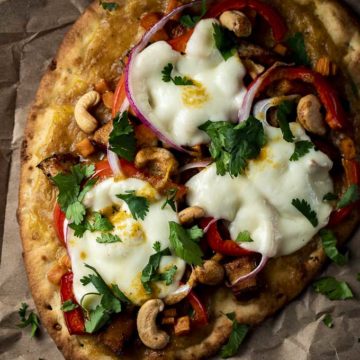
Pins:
x: 30, y: 33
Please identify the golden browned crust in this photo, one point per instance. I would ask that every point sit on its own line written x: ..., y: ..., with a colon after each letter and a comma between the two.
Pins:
x: 92, y: 50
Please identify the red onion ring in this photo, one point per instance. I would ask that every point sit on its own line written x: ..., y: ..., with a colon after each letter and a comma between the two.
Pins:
x: 262, y: 107
x: 253, y: 89
x: 128, y: 71
x: 252, y: 274
x: 179, y: 294
x: 194, y: 165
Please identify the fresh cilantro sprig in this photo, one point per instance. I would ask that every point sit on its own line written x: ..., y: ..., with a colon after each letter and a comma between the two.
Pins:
x: 225, y: 41
x: 283, y: 114
x: 70, y: 193
x: 122, y: 137
x: 195, y: 233
x: 333, y: 289
x: 244, y: 236
x: 110, y: 301
x: 351, y: 195
x: 330, y: 197
x: 233, y: 145
x: 304, y: 207
x: 31, y: 320
x: 237, y: 336
x: 301, y: 149
x: 97, y: 222
x: 328, y: 321
x: 108, y: 238
x: 110, y: 6
x: 183, y: 245
x: 329, y: 245
x: 68, y: 305
x: 138, y: 205
x: 170, y: 199
x: 296, y: 44
x: 190, y: 21
x: 177, y: 80
x: 150, y: 271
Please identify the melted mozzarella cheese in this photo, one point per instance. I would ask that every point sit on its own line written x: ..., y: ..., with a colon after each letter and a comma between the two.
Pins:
x: 121, y: 263
x: 260, y: 200
x: 178, y: 111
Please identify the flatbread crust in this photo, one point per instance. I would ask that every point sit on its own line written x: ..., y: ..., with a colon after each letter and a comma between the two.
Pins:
x: 92, y: 50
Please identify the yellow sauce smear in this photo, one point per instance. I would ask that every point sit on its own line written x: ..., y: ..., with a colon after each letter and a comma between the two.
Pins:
x: 194, y: 96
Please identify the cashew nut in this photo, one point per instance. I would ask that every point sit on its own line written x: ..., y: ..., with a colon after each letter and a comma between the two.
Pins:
x: 86, y: 122
x: 309, y: 115
x: 149, y: 334
x: 188, y: 215
x: 159, y: 162
x: 237, y: 22
x: 210, y: 273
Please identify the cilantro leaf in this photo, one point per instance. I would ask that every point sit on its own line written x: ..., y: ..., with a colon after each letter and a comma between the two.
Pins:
x: 301, y: 149
x: 183, y: 246
x: 99, y: 223
x: 178, y: 80
x: 225, y: 41
x: 190, y: 21
x: 244, y: 236
x: 304, y: 207
x: 68, y: 305
x: 328, y: 321
x: 333, y: 289
x: 32, y: 320
x: 119, y: 294
x: 122, y: 137
x: 170, y: 199
x: 297, y: 45
x: 108, y: 238
x: 70, y: 193
x: 233, y: 145
x: 330, y: 197
x: 329, y: 245
x: 108, y: 300
x: 110, y: 6
x: 283, y: 114
x: 79, y: 229
x: 351, y: 195
x: 237, y: 336
x: 149, y: 272
x: 195, y: 233
x: 168, y: 275
x: 157, y: 246
x: 138, y: 205
x: 97, y: 319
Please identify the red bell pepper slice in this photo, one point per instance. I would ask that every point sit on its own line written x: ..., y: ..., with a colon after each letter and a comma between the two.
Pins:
x: 75, y: 318
x: 200, y: 314
x: 103, y: 169
x: 271, y: 16
x: 119, y: 96
x: 335, y: 117
x: 217, y: 244
x: 59, y: 218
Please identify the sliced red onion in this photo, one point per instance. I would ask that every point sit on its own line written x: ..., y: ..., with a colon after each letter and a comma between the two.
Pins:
x: 262, y: 107
x: 252, y: 274
x: 179, y: 294
x: 194, y: 165
x: 252, y: 90
x: 128, y: 71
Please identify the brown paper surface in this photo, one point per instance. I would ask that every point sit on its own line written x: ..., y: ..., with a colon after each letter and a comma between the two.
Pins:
x: 30, y: 32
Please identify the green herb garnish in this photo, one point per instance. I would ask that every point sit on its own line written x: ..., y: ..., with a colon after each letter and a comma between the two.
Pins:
x: 351, y: 195
x: 68, y: 305
x: 32, y: 319
x: 237, y: 336
x: 97, y: 223
x: 108, y: 239
x: 109, y: 6
x: 195, y: 233
x: 284, y: 112
x: 301, y: 149
x: 297, y: 45
x: 190, y: 21
x: 177, y: 80
x: 330, y: 197
x: 170, y: 199
x: 138, y: 205
x: 328, y: 321
x: 333, y: 289
x: 233, y: 145
x: 244, y: 236
x: 304, y: 207
x: 329, y: 245
x: 225, y: 41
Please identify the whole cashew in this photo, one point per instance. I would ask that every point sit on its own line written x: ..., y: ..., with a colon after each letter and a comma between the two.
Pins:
x: 149, y: 334
x: 190, y: 214
x: 236, y: 22
x: 309, y: 115
x: 210, y: 273
x: 160, y: 163
x: 86, y: 122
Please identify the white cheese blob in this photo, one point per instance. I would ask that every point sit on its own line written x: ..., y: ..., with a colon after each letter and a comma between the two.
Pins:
x: 121, y: 263
x: 260, y: 200
x: 178, y: 111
